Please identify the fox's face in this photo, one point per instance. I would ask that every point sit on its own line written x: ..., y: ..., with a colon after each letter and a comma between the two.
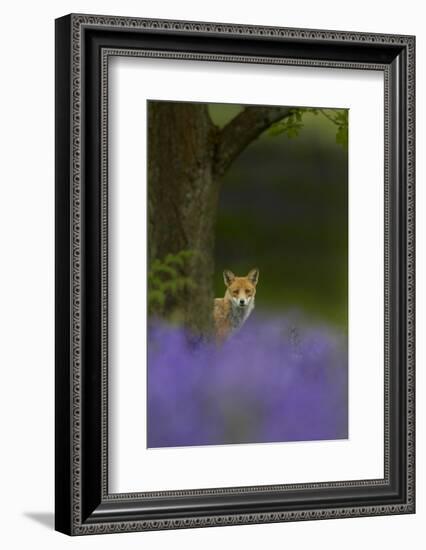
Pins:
x: 241, y: 290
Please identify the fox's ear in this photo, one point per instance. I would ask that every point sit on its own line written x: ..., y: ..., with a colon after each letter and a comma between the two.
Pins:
x: 228, y: 277
x: 253, y: 276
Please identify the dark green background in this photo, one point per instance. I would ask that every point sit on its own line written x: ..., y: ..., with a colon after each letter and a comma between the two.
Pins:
x: 284, y: 209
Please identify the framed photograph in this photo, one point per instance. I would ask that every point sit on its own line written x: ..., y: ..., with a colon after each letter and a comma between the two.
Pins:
x: 234, y: 274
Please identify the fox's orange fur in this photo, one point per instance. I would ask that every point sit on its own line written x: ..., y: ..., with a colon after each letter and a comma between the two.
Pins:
x: 231, y: 311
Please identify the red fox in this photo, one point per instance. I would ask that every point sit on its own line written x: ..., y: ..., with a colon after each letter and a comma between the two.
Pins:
x: 231, y: 312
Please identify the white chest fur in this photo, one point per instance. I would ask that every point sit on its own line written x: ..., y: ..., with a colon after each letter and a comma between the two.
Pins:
x: 239, y: 315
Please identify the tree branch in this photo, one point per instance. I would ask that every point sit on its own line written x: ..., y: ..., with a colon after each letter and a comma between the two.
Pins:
x: 242, y: 130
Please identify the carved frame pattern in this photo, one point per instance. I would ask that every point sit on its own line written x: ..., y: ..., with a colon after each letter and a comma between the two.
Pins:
x: 77, y: 524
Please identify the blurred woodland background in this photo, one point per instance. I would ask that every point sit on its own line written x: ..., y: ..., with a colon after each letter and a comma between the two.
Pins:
x: 234, y: 187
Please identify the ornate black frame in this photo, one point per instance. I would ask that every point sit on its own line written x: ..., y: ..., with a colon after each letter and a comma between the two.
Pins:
x: 83, y: 45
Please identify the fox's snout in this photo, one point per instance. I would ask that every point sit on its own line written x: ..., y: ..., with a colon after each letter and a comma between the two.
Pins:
x: 241, y: 301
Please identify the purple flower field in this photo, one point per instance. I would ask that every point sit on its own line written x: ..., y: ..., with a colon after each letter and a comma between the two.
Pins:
x: 273, y: 381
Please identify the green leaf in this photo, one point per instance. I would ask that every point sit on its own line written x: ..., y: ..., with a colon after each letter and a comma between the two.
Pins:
x: 174, y: 259
x: 166, y: 269
x: 186, y: 254
x: 167, y: 279
x: 275, y: 130
x: 155, y: 297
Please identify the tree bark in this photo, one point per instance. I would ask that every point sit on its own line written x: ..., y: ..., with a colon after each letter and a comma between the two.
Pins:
x: 182, y: 198
x: 187, y: 157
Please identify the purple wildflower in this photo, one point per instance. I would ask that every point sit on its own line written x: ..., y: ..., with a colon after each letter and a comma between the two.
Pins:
x: 270, y: 382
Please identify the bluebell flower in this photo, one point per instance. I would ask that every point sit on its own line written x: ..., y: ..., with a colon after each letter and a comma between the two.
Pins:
x: 274, y: 381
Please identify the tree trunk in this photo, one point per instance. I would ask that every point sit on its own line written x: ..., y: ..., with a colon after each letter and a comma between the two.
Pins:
x: 182, y: 198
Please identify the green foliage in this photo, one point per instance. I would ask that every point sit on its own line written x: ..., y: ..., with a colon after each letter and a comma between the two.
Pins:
x: 342, y: 128
x: 339, y: 117
x: 167, y: 280
x: 290, y: 125
x: 293, y: 123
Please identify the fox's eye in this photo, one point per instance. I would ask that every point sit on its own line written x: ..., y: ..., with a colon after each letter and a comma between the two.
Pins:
x: 235, y: 293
